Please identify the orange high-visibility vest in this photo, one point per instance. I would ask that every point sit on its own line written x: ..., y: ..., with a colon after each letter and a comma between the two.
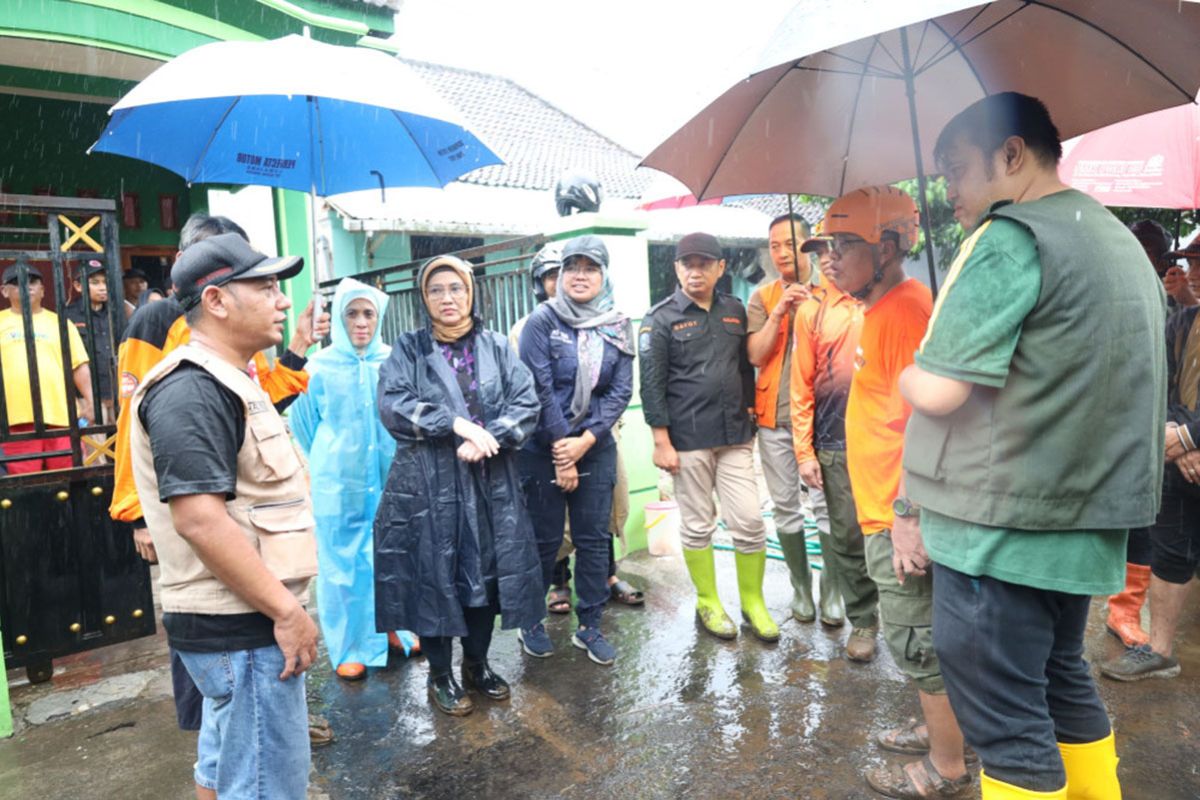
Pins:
x: 766, y: 389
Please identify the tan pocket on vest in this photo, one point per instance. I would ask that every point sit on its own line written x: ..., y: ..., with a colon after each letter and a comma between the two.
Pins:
x: 285, y: 541
x: 276, y: 457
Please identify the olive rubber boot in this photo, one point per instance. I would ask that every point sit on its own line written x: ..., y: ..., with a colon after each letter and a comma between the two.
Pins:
x: 833, y: 610
x: 750, y: 570
x: 703, y: 569
x: 1091, y: 770
x: 796, y: 556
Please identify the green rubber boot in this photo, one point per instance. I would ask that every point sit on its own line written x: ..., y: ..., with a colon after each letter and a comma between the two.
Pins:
x: 750, y: 570
x: 703, y: 569
x: 796, y: 556
x: 833, y: 610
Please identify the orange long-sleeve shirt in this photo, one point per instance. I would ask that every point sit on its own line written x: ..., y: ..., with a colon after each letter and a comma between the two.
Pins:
x: 875, y: 412
x: 153, y: 332
x: 827, y: 326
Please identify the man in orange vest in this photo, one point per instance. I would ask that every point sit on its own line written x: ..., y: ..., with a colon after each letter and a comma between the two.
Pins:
x: 770, y: 318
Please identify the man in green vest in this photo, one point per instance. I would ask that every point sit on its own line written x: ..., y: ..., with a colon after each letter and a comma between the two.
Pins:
x: 1035, y: 444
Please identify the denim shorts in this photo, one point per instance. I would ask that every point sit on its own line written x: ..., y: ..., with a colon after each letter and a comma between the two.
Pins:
x: 254, y: 734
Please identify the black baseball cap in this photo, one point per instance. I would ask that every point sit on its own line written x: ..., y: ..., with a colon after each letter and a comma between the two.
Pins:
x: 588, y: 246
x: 220, y: 259
x: 89, y: 267
x: 12, y: 271
x: 698, y: 244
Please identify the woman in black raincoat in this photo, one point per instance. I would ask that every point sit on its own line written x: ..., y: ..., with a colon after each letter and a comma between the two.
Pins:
x: 454, y: 546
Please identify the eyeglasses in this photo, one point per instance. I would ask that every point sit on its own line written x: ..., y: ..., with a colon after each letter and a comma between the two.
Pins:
x: 580, y: 267
x: 840, y: 244
x: 455, y: 290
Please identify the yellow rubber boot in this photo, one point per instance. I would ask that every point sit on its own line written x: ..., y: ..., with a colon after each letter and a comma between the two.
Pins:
x: 703, y: 569
x: 751, y: 567
x: 1091, y: 770
x: 999, y: 790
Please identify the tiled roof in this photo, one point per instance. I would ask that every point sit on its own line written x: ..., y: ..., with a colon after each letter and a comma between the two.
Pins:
x: 537, y: 141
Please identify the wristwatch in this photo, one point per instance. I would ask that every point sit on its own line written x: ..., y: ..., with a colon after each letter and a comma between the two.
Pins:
x: 903, y: 507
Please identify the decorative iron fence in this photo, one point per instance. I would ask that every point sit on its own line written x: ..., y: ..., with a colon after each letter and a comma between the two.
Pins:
x: 503, y: 293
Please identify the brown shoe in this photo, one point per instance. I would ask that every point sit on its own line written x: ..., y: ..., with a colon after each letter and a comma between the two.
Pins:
x: 319, y: 732
x: 861, y: 644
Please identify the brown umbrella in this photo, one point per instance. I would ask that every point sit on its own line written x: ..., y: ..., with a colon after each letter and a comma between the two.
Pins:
x: 859, y: 88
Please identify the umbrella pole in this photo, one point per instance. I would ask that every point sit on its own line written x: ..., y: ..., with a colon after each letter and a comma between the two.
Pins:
x: 926, y: 223
x: 795, y: 252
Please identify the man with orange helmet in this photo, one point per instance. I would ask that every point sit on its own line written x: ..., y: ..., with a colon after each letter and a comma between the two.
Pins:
x: 870, y: 232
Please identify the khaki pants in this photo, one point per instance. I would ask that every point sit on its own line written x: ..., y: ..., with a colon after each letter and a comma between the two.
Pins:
x: 729, y: 470
x: 906, y: 610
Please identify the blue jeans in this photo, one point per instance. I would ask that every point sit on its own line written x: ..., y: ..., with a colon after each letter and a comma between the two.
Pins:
x: 254, y: 734
x: 589, y: 507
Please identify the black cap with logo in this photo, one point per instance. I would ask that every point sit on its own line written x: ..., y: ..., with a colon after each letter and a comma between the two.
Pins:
x: 220, y: 259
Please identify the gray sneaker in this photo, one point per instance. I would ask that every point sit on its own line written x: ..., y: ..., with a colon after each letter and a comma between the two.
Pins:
x: 1140, y: 662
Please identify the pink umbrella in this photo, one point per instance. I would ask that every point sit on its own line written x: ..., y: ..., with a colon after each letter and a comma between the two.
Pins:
x: 1151, y: 161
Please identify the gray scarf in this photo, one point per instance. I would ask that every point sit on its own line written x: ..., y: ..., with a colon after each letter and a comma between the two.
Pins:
x: 595, y: 322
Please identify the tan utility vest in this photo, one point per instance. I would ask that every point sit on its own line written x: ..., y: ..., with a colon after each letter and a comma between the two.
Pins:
x: 273, y: 506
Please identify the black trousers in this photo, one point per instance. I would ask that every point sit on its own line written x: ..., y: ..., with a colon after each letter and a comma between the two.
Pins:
x: 188, y: 700
x: 1139, y: 548
x: 1012, y: 660
x: 438, y: 650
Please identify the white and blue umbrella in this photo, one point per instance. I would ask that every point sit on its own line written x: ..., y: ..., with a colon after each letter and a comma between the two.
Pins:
x: 293, y: 113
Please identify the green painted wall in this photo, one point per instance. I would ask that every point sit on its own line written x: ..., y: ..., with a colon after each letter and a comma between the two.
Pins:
x: 45, y: 144
x: 293, y: 237
x: 6, y: 723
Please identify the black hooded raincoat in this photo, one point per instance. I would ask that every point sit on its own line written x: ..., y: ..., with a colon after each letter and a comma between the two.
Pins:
x: 436, y: 508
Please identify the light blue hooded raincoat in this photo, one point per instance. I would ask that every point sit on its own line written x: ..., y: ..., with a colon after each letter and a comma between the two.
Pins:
x: 349, y: 453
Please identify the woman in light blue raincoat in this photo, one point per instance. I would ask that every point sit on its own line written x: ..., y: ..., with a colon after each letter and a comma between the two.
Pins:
x: 349, y: 452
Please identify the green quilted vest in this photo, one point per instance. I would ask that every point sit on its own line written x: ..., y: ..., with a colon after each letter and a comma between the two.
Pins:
x: 1074, y: 440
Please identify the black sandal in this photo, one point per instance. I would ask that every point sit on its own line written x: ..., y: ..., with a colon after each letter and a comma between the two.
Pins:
x: 625, y: 593
x: 559, y: 600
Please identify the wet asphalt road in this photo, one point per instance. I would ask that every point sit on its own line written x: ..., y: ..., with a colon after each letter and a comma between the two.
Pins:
x: 683, y: 715
x: 680, y: 715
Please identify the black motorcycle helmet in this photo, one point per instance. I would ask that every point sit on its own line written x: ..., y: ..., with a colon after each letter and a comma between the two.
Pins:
x: 548, y: 258
x: 577, y: 192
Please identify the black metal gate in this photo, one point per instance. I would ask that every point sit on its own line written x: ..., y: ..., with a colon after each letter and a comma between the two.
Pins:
x: 503, y: 292
x: 70, y: 578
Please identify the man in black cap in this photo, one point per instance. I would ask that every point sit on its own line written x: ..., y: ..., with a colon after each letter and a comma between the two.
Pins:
x: 1155, y: 240
x: 232, y: 523
x: 697, y: 389
x: 48, y: 353
x: 91, y: 279
x: 134, y: 283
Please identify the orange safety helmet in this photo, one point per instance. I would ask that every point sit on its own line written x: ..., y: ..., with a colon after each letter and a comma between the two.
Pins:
x: 870, y: 211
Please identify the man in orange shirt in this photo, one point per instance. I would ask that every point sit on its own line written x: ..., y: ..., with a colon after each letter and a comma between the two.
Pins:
x: 871, y: 230
x: 827, y: 326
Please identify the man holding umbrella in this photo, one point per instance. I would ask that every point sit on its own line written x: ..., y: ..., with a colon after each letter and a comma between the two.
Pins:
x: 1035, y: 444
